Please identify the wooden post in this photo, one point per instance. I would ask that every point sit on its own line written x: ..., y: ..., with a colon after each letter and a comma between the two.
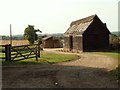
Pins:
x: 36, y: 52
x: 39, y: 49
x: 8, y: 52
x: 10, y: 34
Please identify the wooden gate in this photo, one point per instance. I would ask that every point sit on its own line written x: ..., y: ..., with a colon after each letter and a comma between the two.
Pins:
x: 21, y: 52
x: 25, y: 52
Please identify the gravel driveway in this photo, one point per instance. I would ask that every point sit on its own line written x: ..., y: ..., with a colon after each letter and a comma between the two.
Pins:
x: 90, y: 71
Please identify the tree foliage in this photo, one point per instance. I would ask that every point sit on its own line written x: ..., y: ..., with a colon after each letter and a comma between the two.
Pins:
x: 114, y: 41
x: 30, y: 34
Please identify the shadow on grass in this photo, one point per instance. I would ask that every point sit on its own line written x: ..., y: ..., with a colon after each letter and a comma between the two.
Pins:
x: 22, y: 62
x: 48, y: 58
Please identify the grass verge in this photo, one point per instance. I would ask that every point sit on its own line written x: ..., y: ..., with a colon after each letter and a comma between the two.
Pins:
x: 46, y: 58
x: 114, y: 55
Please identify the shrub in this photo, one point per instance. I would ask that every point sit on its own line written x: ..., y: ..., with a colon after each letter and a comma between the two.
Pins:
x: 114, y: 42
x: 116, y: 72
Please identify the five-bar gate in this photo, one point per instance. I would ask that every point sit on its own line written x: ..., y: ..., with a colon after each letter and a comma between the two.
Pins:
x: 21, y: 52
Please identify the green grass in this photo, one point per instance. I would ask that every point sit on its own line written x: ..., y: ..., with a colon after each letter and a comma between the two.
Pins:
x: 114, y: 55
x: 55, y: 58
x: 116, y: 72
x: 46, y: 58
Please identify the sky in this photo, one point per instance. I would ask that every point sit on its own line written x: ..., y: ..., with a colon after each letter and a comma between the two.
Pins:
x: 54, y: 16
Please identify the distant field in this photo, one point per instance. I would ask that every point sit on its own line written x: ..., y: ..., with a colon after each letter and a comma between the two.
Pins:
x: 14, y: 42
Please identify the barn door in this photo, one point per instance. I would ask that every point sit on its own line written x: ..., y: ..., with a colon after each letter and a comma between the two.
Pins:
x: 70, y: 42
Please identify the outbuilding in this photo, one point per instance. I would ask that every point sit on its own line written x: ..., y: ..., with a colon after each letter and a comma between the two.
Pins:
x: 50, y: 42
x: 87, y: 34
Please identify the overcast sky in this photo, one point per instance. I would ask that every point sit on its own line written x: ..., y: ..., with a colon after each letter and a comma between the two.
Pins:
x: 54, y: 16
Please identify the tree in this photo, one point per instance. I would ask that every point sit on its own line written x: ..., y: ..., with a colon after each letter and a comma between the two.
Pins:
x: 114, y: 41
x: 30, y: 34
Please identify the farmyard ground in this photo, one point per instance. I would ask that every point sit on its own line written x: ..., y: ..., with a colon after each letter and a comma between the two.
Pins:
x: 90, y: 71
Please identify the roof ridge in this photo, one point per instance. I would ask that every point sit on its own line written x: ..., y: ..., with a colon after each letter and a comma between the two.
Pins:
x: 83, y: 20
x: 82, y: 24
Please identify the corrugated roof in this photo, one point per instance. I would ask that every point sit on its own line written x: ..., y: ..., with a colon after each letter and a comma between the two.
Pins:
x: 78, y: 27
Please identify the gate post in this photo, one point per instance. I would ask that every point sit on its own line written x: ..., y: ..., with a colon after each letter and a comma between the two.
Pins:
x: 39, y: 42
x: 8, y: 52
x: 36, y: 55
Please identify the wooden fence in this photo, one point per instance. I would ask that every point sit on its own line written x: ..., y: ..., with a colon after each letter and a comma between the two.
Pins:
x: 21, y: 52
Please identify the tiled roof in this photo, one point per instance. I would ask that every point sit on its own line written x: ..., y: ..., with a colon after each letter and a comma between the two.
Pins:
x: 78, y: 27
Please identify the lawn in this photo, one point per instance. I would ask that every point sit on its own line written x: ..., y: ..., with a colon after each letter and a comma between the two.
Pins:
x: 55, y: 58
x: 46, y: 58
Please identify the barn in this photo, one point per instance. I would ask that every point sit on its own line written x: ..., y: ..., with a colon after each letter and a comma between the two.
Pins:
x: 87, y: 34
x: 50, y: 42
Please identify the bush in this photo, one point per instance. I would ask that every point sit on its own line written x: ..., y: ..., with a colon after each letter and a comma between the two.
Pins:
x: 116, y: 72
x: 114, y: 42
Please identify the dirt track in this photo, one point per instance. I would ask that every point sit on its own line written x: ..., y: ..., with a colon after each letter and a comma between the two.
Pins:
x: 90, y: 71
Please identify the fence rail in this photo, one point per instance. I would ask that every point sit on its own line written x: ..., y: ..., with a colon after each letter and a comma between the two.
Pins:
x: 19, y: 52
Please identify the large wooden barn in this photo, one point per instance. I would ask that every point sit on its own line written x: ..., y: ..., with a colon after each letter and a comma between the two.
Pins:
x: 87, y: 34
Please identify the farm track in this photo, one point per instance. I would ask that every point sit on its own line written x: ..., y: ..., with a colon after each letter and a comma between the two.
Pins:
x: 90, y: 71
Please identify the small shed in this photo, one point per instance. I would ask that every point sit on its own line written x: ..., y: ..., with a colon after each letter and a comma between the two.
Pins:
x: 87, y: 34
x: 50, y: 42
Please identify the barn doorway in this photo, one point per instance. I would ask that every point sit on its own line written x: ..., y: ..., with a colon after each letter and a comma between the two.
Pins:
x: 70, y: 42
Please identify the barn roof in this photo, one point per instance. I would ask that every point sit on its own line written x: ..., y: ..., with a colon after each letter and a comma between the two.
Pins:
x: 78, y: 27
x: 46, y: 38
